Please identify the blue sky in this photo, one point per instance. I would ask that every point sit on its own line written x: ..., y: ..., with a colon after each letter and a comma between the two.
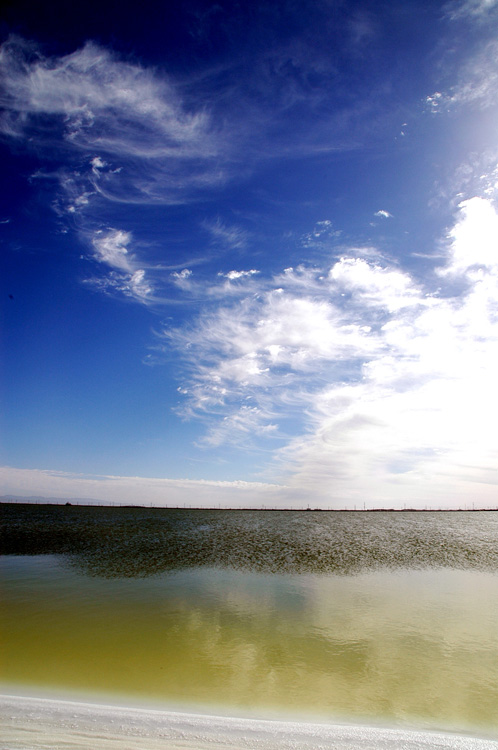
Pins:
x: 250, y: 252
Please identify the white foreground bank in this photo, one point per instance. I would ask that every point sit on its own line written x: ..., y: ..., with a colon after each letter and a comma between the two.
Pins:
x: 45, y: 724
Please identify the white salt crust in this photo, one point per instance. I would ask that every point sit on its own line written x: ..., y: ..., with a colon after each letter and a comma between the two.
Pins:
x: 46, y: 724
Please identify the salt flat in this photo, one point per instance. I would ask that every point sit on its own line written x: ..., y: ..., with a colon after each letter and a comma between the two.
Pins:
x: 45, y: 724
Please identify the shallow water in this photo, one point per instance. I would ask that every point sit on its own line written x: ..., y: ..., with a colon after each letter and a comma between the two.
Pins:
x: 388, y: 618
x: 126, y: 542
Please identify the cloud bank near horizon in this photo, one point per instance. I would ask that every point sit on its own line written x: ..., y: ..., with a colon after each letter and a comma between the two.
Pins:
x: 141, y: 490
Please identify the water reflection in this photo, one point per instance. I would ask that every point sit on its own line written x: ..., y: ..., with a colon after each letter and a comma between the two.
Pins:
x: 419, y: 647
x: 363, y: 616
x: 123, y: 542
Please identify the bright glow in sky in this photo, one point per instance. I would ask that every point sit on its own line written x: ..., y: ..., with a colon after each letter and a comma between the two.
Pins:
x: 251, y: 253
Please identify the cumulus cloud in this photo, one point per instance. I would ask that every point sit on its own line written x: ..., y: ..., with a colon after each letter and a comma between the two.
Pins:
x: 373, y: 286
x: 474, y: 239
x: 393, y: 384
x: 233, y: 275
x: 383, y: 214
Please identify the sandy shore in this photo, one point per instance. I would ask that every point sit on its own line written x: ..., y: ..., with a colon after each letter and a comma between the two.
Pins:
x: 41, y: 723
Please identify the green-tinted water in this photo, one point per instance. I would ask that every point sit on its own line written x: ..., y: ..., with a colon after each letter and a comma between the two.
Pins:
x: 384, y: 617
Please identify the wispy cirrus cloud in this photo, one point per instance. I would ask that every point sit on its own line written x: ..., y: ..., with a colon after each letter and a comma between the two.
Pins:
x: 150, y: 137
x: 477, y: 9
x: 111, y: 249
x: 120, y: 133
x: 478, y: 79
x: 101, y: 101
x: 228, y: 236
x: 144, y: 141
x: 468, y: 71
x: 475, y: 82
x: 393, y: 383
x: 245, y: 427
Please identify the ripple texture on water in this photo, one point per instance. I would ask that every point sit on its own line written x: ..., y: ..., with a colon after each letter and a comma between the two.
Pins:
x: 143, y: 541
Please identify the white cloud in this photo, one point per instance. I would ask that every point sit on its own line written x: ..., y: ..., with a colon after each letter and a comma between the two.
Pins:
x: 394, y: 385
x: 267, y: 338
x: 98, y: 163
x: 233, y: 275
x: 186, y: 273
x: 278, y: 340
x: 134, y: 286
x: 234, y: 284
x: 120, y: 106
x: 155, y: 138
x: 111, y: 249
x: 383, y: 214
x: 420, y: 422
x: 375, y: 286
x: 153, y: 146
x: 405, y: 434
x: 139, y: 286
x: 474, y: 238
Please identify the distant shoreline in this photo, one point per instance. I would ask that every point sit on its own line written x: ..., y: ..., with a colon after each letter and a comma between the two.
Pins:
x: 87, y: 503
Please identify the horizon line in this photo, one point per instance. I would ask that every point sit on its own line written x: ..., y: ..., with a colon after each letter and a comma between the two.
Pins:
x: 87, y: 503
